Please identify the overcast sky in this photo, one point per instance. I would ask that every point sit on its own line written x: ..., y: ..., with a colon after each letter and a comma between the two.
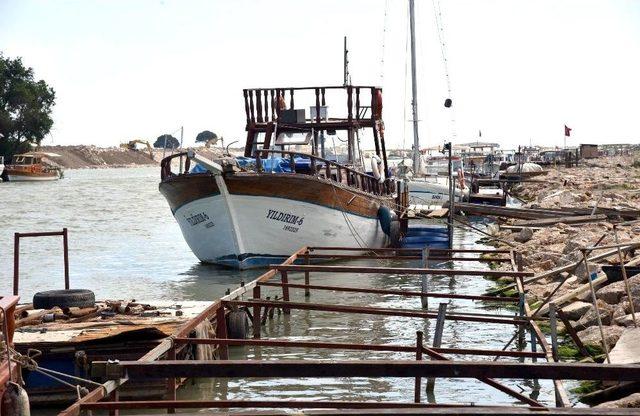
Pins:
x: 519, y: 70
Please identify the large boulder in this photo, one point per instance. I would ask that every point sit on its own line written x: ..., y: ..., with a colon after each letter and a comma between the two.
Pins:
x: 611, y: 293
x: 626, y: 320
x: 524, y: 235
x: 591, y: 336
x: 590, y: 318
x: 576, y: 310
x: 632, y: 401
x: 627, y: 349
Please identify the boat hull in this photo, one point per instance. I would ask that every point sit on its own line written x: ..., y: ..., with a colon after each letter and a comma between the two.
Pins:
x: 423, y: 192
x: 31, y: 178
x: 251, y: 221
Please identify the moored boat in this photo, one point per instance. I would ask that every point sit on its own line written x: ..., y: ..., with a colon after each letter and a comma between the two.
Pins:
x: 33, y: 166
x: 253, y: 211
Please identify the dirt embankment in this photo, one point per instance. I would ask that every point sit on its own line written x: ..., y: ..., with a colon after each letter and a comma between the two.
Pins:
x: 75, y: 157
x: 82, y: 156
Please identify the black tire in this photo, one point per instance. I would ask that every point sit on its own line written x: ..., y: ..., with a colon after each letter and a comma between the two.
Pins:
x: 237, y: 324
x: 394, y: 233
x: 81, y: 298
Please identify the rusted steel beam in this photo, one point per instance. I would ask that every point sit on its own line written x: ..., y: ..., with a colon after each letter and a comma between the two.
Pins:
x: 374, y: 368
x: 165, y: 345
x: 471, y: 410
x: 393, y: 292
x: 274, y: 404
x: 404, y: 250
x: 380, y: 311
x: 350, y: 346
x: 434, y: 354
x: 398, y: 270
x: 408, y: 257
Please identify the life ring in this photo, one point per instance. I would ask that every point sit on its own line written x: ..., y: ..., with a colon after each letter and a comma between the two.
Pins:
x: 461, y: 178
x: 376, y: 168
x: 378, y: 109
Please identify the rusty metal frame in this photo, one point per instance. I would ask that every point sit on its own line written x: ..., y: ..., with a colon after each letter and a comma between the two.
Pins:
x: 237, y: 298
x: 16, y: 255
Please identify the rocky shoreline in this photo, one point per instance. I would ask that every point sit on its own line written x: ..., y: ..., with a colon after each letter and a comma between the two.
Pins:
x: 612, y: 183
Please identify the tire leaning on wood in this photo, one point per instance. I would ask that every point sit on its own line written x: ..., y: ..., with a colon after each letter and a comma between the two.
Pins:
x: 237, y: 324
x: 81, y: 298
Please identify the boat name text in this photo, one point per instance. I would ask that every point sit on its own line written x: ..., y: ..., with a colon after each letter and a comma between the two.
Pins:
x: 196, y: 219
x: 284, y: 217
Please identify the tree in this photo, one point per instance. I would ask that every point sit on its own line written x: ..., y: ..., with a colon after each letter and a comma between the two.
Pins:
x: 205, y: 136
x: 25, y: 107
x: 172, y: 142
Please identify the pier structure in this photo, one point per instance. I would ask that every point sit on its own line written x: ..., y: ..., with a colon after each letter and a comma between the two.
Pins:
x: 298, y: 273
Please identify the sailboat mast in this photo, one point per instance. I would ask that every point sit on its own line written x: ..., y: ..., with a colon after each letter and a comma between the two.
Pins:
x: 414, y: 91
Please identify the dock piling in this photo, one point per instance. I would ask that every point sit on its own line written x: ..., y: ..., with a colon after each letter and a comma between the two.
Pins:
x: 437, y: 339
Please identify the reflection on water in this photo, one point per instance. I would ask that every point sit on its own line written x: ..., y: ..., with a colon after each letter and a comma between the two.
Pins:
x: 124, y: 243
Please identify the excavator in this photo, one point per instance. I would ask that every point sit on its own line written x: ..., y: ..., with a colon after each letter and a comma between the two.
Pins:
x: 131, y: 145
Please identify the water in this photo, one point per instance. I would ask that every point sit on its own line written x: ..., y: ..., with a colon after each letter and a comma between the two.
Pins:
x: 124, y: 243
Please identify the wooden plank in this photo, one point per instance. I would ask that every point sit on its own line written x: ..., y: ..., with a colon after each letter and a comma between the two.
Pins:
x: 399, y: 270
x: 577, y: 219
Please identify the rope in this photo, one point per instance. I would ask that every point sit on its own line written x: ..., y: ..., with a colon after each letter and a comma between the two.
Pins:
x: 443, y: 50
x: 28, y: 362
x: 384, y: 38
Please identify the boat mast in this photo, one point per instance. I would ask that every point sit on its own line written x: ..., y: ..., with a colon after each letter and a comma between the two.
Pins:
x: 414, y: 92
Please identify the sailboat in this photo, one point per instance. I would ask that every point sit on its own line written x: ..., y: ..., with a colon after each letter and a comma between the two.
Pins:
x: 286, y: 192
x: 424, y: 187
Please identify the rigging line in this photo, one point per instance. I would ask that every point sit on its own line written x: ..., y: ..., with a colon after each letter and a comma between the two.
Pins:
x: 384, y: 39
x: 437, y: 11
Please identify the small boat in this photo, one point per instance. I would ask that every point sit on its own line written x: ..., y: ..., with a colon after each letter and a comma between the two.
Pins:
x: 285, y: 192
x: 33, y: 166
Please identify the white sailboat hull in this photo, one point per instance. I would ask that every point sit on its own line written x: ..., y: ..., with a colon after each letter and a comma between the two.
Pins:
x: 425, y: 192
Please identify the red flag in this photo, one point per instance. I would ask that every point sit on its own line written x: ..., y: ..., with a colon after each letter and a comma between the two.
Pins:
x: 567, y: 131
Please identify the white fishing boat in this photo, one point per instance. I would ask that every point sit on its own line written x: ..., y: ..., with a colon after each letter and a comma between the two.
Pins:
x: 33, y: 166
x: 284, y: 194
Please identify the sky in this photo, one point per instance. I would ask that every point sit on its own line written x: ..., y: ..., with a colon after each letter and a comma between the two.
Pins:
x: 519, y: 70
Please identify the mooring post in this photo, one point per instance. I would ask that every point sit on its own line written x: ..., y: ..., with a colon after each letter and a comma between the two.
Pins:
x: 532, y: 333
x: 16, y: 263
x: 256, y: 313
x: 285, y: 290
x: 65, y: 247
x: 595, y: 304
x: 419, y: 337
x: 437, y: 339
x: 115, y: 397
x: 521, y: 338
x: 554, y: 330
x: 307, y: 292
x: 624, y: 275
x: 171, y: 381
x: 425, y: 278
x: 221, y: 332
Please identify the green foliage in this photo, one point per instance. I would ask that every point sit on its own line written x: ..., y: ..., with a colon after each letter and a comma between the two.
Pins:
x: 636, y: 163
x: 25, y: 107
x: 587, y: 387
x: 171, y: 142
x: 205, y: 136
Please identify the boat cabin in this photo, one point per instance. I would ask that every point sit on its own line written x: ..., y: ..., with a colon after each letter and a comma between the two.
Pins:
x: 325, y: 122
x: 26, y: 159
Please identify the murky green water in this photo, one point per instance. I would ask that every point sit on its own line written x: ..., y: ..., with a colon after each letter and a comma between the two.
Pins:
x: 124, y: 243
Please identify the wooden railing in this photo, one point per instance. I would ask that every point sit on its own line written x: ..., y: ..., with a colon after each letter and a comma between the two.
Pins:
x: 263, y: 105
x: 328, y: 169
x: 333, y: 171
